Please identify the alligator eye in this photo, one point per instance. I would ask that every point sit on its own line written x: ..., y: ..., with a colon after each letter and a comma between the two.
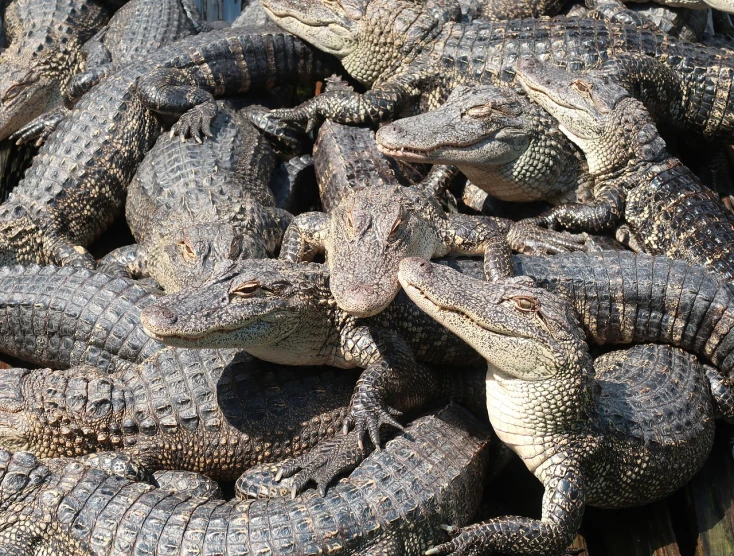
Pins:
x: 187, y: 252
x: 479, y: 111
x: 12, y: 92
x: 395, y: 226
x: 583, y: 87
x: 525, y: 304
x: 235, y: 249
x: 245, y: 289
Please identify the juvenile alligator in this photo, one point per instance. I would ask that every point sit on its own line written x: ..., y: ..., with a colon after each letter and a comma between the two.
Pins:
x: 209, y: 411
x: 579, y: 429
x: 190, y: 206
x: 285, y: 313
x: 77, y: 183
x: 137, y: 29
x: 373, y: 222
x: 413, y: 54
x: 664, y: 206
x: 44, y: 52
x: 505, y: 144
x: 389, y: 505
x: 64, y: 317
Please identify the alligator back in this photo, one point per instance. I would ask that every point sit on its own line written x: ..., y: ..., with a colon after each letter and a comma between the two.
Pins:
x: 61, y: 317
x: 346, y: 159
x: 623, y: 297
x: 80, y: 176
x: 394, y: 503
x: 180, y: 183
x: 487, y: 53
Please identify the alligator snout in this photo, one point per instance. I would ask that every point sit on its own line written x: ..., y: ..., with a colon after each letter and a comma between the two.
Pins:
x: 415, y: 267
x: 158, y: 317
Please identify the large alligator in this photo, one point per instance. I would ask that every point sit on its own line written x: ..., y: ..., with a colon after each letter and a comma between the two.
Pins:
x: 191, y: 206
x: 44, y: 52
x: 209, y: 411
x: 579, y: 428
x: 373, y: 222
x: 285, y: 313
x: 664, y: 207
x: 413, y: 54
x: 137, y: 29
x: 394, y: 503
x: 77, y: 183
x: 505, y: 144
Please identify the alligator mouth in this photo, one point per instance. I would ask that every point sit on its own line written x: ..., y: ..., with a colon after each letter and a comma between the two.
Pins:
x: 194, y: 336
x: 418, y: 154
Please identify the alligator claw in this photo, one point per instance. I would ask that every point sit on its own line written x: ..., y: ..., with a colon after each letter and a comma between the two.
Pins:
x: 323, y: 463
x: 465, y: 541
x: 532, y: 238
x: 195, y: 123
x: 368, y: 413
x: 39, y: 129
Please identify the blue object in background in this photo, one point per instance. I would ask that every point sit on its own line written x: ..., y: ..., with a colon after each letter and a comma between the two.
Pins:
x: 214, y: 10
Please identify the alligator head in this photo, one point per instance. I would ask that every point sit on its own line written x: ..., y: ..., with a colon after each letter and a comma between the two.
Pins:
x: 599, y: 116
x: 367, y: 35
x: 523, y: 331
x: 370, y: 232
x: 253, y: 305
x: 24, y: 94
x: 187, y: 258
x: 330, y: 25
x: 476, y: 125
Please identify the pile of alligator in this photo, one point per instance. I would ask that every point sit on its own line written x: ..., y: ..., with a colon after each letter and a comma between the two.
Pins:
x: 312, y: 281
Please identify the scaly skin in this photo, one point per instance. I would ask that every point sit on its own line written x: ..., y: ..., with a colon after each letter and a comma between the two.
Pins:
x: 390, y: 505
x: 76, y: 185
x: 209, y: 411
x: 373, y: 222
x: 137, y: 29
x: 666, y: 209
x: 64, y: 317
x: 191, y: 206
x: 503, y: 143
x: 413, y: 54
x: 646, y: 433
x: 498, y: 10
x: 44, y: 52
x: 285, y: 313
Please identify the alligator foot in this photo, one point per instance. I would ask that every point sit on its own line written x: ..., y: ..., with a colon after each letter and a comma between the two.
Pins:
x: 528, y: 238
x: 368, y: 410
x: 196, y: 122
x: 38, y: 130
x: 326, y: 461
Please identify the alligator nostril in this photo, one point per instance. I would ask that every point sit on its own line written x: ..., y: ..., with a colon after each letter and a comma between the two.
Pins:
x: 164, y: 315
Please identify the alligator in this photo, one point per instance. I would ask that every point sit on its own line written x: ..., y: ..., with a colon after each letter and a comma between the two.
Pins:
x: 505, y: 144
x: 578, y: 427
x: 44, y: 52
x: 285, y: 313
x: 373, y: 222
x: 65, y: 317
x: 499, y: 10
x: 620, y: 298
x: 664, y: 207
x: 411, y: 55
x: 137, y: 29
x: 217, y: 412
x: 394, y: 503
x: 190, y: 206
x: 77, y: 183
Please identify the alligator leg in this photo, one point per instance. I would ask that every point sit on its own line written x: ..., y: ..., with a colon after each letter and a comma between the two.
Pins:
x: 439, y: 178
x: 615, y: 11
x: 63, y: 253
x: 187, y: 482
x: 172, y: 91
x: 529, y: 239
x: 606, y: 211
x: 129, y: 261
x: 305, y: 237
x: 722, y: 393
x: 326, y: 461
x: 40, y: 128
x: 347, y: 107
x: 563, y: 508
